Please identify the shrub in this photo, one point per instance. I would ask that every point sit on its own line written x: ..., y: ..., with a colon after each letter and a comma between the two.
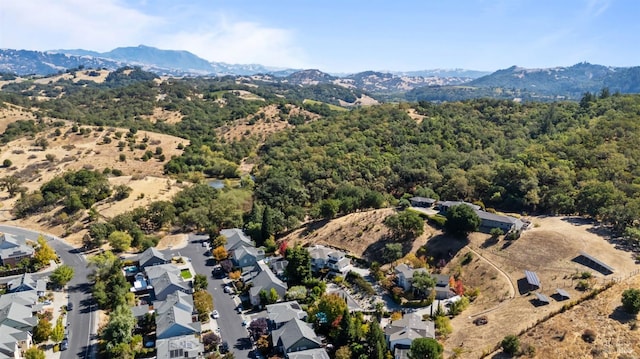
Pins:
x: 631, y: 300
x: 589, y: 336
x: 7, y: 163
x: 510, y: 344
x: 583, y: 285
x: 468, y: 257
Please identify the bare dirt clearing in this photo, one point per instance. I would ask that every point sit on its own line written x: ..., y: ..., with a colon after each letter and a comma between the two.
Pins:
x: 162, y: 115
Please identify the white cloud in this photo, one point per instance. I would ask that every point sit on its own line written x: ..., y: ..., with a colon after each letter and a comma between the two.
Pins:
x: 238, y: 42
x: 95, y: 25
x: 107, y: 24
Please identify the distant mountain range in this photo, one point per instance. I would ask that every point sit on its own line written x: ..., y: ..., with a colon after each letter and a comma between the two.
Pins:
x: 430, y: 85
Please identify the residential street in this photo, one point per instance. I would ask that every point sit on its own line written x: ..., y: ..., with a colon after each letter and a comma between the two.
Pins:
x: 230, y: 322
x: 82, y: 318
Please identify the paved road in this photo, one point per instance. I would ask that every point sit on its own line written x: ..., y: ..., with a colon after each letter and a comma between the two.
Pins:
x: 82, y: 317
x: 230, y: 322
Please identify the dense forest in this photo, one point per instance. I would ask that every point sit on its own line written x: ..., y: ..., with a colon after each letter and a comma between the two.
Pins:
x: 553, y: 157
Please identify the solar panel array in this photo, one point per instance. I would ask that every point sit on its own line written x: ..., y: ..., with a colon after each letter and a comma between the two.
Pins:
x: 532, y: 278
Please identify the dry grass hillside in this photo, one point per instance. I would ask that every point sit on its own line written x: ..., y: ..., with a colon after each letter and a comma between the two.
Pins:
x: 73, y: 151
x: 497, y: 270
x: 11, y: 113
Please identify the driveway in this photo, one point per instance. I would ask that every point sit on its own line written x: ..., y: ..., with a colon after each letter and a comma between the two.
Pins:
x: 82, y: 318
x: 230, y: 322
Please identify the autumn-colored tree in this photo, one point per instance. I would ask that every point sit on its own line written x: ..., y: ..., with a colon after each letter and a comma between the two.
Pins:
x: 57, y: 334
x: 44, y: 252
x: 396, y: 316
x: 235, y: 275
x: 459, y: 288
x: 220, y: 253
x: 203, y: 302
x: 283, y: 248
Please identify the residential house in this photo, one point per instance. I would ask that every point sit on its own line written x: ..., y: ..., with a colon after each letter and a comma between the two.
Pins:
x: 13, y: 342
x: 444, y: 206
x: 235, y: 239
x: 265, y: 280
x: 404, y: 275
x: 246, y: 256
x: 442, y: 289
x: 320, y: 353
x: 27, y: 298
x: 139, y: 311
x: 281, y: 313
x: 18, y: 316
x: 166, y: 279
x: 422, y: 202
x: 151, y: 257
x: 324, y: 257
x: 295, y: 336
x: 505, y: 223
x: 352, y: 304
x: 13, y: 249
x: 174, y: 316
x: 400, y: 333
x: 184, y: 346
x: 27, y: 283
x: 278, y: 266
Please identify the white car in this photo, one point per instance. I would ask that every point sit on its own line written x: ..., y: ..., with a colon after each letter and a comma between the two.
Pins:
x: 215, y: 314
x: 229, y: 289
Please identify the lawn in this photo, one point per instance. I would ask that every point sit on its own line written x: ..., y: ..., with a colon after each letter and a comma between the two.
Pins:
x: 185, y: 274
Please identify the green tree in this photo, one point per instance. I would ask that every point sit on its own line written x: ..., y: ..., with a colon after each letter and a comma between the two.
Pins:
x: 119, y: 328
x: 425, y: 348
x: 423, y: 283
x: 443, y: 325
x: 61, y: 275
x: 462, y: 219
x: 329, y: 208
x: 42, y: 330
x: 392, y: 252
x: 406, y: 224
x: 376, y: 343
x: 510, y: 344
x: 273, y: 296
x: 120, y: 241
x: 200, y: 282
x: 11, y: 184
x: 344, y: 352
x: 7, y: 163
x: 57, y: 333
x: 34, y: 353
x: 299, y: 268
x: 631, y: 300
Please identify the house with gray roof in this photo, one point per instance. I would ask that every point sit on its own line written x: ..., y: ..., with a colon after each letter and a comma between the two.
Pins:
x: 404, y: 275
x: 175, y: 320
x: 235, y: 239
x: 265, y: 280
x: 246, y: 256
x: 324, y: 257
x: 489, y: 221
x: 13, y: 342
x: 27, y: 298
x: 320, y: 353
x: 27, y: 283
x: 295, y: 336
x: 403, y: 331
x: 444, y: 206
x: 13, y: 249
x: 168, y: 283
x: 442, y: 288
x: 281, y: 313
x: 422, y: 202
x: 18, y: 316
x: 151, y: 257
x: 184, y: 346
x: 177, y: 299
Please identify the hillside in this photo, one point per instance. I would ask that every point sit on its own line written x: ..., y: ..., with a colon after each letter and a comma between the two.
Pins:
x: 548, y: 84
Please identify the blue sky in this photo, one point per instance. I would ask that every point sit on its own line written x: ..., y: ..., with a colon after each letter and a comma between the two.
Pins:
x: 340, y: 36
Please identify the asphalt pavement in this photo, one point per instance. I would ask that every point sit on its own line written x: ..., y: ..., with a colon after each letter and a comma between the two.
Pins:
x: 81, y: 318
x: 230, y: 322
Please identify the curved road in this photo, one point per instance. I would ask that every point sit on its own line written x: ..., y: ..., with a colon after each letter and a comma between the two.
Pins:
x: 82, y: 318
x: 512, y: 291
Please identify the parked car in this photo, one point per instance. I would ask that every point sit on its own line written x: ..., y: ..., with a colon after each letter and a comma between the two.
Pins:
x: 229, y: 289
x: 224, y: 348
x: 69, y: 306
x: 239, y: 309
x: 64, y: 344
x: 215, y: 314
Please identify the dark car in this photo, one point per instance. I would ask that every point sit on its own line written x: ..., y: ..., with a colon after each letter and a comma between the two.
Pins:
x: 224, y: 348
x: 69, y: 306
x: 64, y: 344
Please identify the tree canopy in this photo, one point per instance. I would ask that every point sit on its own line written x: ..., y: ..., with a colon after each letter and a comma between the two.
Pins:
x: 462, y: 219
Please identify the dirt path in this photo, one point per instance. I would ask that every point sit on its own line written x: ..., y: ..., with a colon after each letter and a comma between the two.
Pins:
x: 512, y: 288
